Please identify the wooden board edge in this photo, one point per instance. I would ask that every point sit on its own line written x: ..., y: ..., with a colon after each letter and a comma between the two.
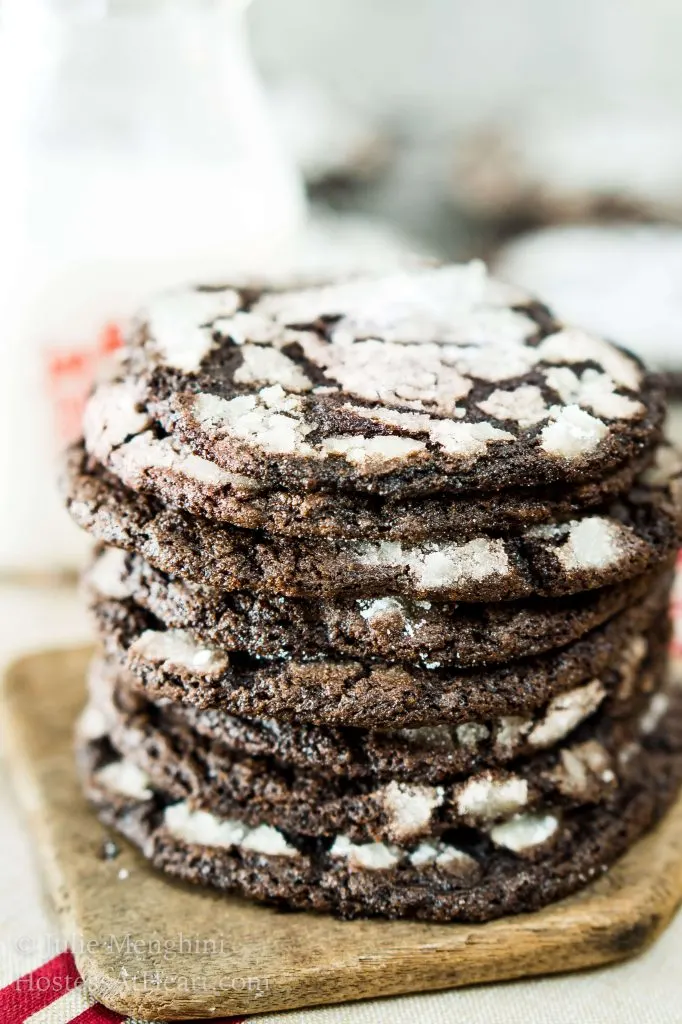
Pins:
x: 652, y: 906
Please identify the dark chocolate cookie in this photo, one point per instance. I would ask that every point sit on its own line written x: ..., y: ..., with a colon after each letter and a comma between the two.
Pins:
x: 360, y: 692
x: 386, y: 627
x: 464, y: 875
x: 426, y: 754
x: 181, y: 480
x: 632, y: 537
x: 434, y: 379
x: 584, y: 768
x: 243, y: 502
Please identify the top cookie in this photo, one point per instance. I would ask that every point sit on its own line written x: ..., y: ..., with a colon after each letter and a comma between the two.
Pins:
x: 438, y: 379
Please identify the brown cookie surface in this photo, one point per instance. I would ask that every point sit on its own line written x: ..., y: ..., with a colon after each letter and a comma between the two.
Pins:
x: 386, y: 627
x: 423, y: 754
x: 365, y: 693
x: 562, y: 767
x: 466, y: 874
x: 595, y: 550
x: 355, y: 515
x: 407, y: 384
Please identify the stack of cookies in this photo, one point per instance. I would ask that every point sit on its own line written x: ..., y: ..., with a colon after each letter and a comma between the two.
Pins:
x: 381, y: 592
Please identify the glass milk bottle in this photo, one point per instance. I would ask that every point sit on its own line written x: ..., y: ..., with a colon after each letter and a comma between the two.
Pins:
x: 135, y: 154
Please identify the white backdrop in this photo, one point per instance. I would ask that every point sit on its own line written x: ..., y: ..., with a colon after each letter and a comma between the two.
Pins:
x: 448, y: 61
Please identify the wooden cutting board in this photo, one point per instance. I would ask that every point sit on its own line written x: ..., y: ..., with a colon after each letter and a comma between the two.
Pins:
x: 152, y: 948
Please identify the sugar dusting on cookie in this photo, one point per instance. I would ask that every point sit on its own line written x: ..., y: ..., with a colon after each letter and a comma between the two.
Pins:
x: 438, y: 566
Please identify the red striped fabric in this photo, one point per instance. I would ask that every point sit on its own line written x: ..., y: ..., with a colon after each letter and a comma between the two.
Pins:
x: 96, y: 1014
x: 34, y: 991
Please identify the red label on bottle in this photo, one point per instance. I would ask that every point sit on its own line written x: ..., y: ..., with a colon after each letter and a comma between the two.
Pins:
x: 70, y: 375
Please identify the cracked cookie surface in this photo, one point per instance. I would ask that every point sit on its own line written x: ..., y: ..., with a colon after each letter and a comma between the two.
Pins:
x: 466, y: 874
x: 370, y: 693
x: 383, y: 627
x: 630, y: 537
x: 435, y: 379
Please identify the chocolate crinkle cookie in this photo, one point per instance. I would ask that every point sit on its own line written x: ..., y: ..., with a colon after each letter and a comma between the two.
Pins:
x: 438, y: 380
x: 380, y: 588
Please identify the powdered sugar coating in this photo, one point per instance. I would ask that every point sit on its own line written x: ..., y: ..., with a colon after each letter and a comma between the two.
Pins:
x: 368, y: 856
x: 590, y: 543
x: 565, y: 712
x: 511, y: 730
x: 409, y: 808
x: 572, y: 345
x: 525, y: 405
x: 496, y: 362
x: 268, y: 841
x: 365, y: 451
x: 463, y: 439
x: 572, y: 432
x: 409, y: 421
x: 443, y: 855
x: 485, y: 798
x: 205, y: 829
x: 262, y: 366
x: 109, y: 574
x: 447, y: 305
x: 179, y: 324
x: 658, y: 707
x: 243, y: 328
x: 629, y: 665
x: 439, y: 566
x: 471, y: 734
x: 126, y: 779
x: 111, y: 415
x: 580, y: 767
x: 390, y: 373
x: 666, y: 468
x: 177, y: 649
x: 132, y: 460
x: 525, y: 831
x: 271, y: 420
x: 592, y: 390
x: 92, y: 723
x: 201, y: 827
x: 466, y: 439
x: 380, y: 607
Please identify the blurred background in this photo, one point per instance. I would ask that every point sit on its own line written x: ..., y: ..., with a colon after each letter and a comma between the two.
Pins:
x: 145, y: 143
x: 430, y: 74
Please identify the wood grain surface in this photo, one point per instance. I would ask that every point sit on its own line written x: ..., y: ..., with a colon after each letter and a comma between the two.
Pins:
x: 157, y: 949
